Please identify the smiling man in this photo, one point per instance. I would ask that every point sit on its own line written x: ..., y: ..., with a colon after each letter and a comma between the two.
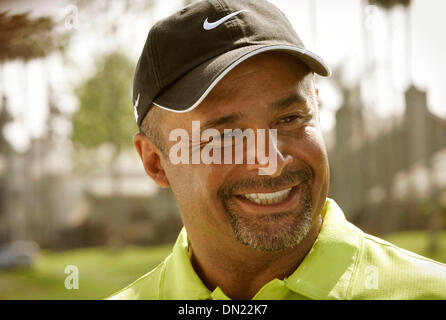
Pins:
x: 252, y: 230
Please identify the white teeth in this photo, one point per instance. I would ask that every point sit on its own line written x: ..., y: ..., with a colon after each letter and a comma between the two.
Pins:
x: 268, y: 198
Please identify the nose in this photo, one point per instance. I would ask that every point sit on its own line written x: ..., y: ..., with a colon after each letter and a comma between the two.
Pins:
x: 269, y: 159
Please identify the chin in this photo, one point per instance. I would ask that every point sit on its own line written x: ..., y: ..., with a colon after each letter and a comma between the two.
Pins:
x: 273, y: 231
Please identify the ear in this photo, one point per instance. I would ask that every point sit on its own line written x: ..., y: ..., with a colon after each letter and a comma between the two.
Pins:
x: 151, y: 159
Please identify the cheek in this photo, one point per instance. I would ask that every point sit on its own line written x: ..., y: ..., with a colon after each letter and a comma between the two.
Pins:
x: 309, y: 148
x: 184, y: 182
x: 315, y: 146
x: 195, y: 186
x: 318, y: 159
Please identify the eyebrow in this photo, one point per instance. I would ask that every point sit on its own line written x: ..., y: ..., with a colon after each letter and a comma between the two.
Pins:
x: 222, y: 120
x: 279, y: 105
x: 294, y: 98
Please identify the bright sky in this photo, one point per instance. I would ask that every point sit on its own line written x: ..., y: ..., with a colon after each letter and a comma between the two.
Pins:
x: 337, y: 37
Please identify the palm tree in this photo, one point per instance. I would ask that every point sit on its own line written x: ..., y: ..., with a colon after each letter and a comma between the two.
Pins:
x: 390, y: 4
x: 24, y: 38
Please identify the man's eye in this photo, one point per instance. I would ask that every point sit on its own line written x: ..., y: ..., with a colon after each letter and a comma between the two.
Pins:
x: 227, y: 139
x: 289, y: 119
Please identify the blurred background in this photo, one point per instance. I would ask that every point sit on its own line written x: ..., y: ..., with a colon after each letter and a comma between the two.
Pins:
x: 73, y: 190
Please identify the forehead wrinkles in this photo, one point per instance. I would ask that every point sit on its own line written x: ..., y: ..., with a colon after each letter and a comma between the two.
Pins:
x: 247, y: 81
x: 214, y: 106
x: 264, y: 85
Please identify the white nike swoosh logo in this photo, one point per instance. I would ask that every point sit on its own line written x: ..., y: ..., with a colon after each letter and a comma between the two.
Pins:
x: 212, y: 25
x: 135, y: 106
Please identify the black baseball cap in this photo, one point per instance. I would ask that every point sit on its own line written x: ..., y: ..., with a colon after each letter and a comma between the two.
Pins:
x: 189, y: 52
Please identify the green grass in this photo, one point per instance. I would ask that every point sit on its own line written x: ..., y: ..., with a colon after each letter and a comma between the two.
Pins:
x: 418, y: 242
x: 103, y: 271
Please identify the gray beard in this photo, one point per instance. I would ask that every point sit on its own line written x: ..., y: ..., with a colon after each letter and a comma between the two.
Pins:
x: 274, y: 232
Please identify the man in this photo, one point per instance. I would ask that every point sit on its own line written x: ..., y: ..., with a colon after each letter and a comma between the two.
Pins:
x: 260, y: 228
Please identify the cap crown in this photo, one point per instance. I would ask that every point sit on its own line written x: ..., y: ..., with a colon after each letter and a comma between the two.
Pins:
x: 179, y: 43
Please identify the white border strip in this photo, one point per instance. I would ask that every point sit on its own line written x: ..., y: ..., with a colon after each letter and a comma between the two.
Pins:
x: 237, y: 62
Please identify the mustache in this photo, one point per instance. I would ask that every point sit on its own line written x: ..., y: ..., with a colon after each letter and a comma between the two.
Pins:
x: 290, y: 177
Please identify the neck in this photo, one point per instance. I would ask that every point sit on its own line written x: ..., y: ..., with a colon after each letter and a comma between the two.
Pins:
x: 241, y: 271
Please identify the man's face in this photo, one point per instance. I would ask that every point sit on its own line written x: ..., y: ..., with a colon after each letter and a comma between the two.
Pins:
x: 231, y: 203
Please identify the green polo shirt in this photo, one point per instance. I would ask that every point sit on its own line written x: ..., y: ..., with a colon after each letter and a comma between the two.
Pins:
x: 344, y: 263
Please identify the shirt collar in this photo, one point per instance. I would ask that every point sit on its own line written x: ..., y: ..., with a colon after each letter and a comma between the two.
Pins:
x: 325, y: 272
x: 180, y: 281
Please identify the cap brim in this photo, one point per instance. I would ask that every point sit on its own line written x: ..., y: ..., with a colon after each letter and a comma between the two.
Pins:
x: 190, y: 90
